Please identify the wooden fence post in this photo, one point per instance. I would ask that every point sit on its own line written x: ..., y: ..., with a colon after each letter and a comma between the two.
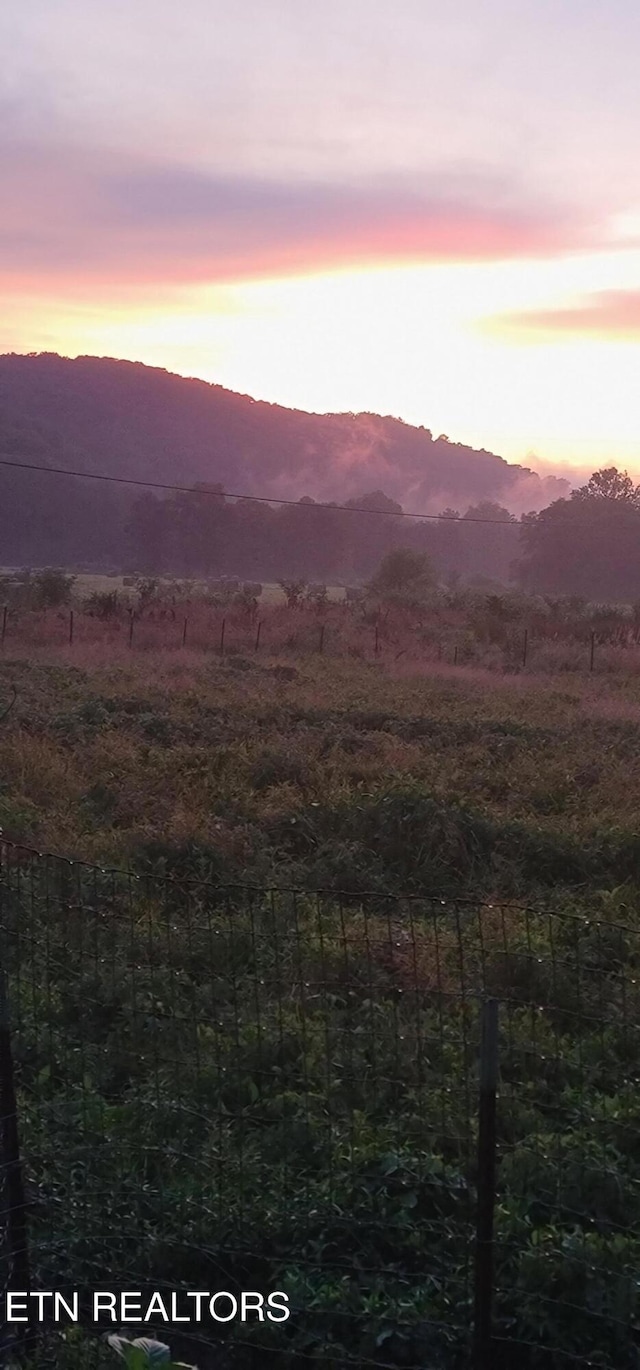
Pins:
x: 71, y: 628
x: 4, y: 622
x: 224, y: 621
x: 593, y: 648
x: 184, y: 633
x: 257, y: 644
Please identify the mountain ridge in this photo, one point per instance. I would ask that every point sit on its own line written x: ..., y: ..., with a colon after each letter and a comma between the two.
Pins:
x: 130, y: 419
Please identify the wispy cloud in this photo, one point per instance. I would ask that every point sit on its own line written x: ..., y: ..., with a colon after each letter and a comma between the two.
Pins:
x: 606, y: 315
x: 106, y: 216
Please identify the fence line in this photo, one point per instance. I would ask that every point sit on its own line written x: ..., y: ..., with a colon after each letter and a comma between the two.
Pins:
x: 234, y: 1087
x: 436, y: 645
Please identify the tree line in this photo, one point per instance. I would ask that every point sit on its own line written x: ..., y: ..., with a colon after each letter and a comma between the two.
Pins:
x: 203, y: 533
x: 587, y: 544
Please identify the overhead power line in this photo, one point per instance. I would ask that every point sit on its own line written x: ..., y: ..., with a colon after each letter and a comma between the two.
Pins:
x: 252, y: 499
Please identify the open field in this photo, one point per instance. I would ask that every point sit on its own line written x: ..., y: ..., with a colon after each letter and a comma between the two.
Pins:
x: 334, y: 772
x: 88, y: 584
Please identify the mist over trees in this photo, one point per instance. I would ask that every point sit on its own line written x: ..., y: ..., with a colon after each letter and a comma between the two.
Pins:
x: 95, y: 415
x: 140, y: 422
x: 588, y: 545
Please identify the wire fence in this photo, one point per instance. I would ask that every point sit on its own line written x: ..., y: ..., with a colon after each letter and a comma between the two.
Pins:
x: 232, y: 1089
x: 336, y: 630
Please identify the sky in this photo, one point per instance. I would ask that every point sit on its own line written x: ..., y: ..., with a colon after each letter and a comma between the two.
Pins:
x: 426, y: 208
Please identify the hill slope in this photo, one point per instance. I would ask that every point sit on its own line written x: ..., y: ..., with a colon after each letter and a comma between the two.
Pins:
x: 99, y: 414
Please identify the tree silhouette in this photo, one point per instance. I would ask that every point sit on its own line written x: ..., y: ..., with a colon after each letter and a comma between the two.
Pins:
x: 403, y: 577
x: 588, y: 545
x: 609, y: 484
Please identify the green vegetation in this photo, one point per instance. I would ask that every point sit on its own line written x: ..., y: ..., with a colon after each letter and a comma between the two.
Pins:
x: 72, y: 1350
x: 281, y: 1091
x: 403, y: 577
x: 304, y: 774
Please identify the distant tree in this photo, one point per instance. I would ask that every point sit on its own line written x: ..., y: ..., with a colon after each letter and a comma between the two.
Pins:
x: 372, y: 532
x: 377, y: 502
x: 489, y: 541
x: 403, y: 577
x: 609, y: 484
x: 318, y: 597
x: 52, y: 588
x: 199, y: 529
x: 311, y: 539
x: 588, y: 545
x: 293, y: 591
x: 147, y: 533
x: 446, y: 542
x: 146, y: 589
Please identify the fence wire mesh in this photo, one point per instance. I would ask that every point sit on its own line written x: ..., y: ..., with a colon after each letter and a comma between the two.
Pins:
x: 235, y: 1088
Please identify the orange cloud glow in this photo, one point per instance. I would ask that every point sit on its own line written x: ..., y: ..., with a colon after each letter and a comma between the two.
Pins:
x: 606, y: 314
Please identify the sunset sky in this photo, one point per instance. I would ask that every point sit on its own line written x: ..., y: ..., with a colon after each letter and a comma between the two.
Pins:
x: 429, y: 208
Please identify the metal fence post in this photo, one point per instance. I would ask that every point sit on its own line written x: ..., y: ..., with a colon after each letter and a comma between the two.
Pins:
x: 484, y: 1253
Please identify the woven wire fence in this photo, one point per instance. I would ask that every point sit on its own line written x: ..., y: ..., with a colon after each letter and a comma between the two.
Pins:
x: 248, y: 1089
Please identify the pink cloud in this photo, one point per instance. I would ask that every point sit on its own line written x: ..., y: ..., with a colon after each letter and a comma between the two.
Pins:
x: 612, y: 314
x: 69, y: 217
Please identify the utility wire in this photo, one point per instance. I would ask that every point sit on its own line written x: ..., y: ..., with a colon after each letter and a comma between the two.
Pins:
x: 255, y: 499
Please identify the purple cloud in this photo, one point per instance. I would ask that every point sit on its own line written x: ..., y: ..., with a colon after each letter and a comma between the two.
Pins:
x: 73, y: 216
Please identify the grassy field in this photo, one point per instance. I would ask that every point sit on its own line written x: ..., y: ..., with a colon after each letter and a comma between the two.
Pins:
x: 316, y: 1117
x: 86, y: 585
x: 334, y: 772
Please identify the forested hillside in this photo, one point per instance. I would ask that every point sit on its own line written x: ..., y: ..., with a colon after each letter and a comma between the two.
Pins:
x: 96, y: 414
x: 136, y: 420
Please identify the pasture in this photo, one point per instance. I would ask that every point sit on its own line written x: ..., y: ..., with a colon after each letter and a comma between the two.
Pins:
x: 289, y: 768
x: 86, y: 584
